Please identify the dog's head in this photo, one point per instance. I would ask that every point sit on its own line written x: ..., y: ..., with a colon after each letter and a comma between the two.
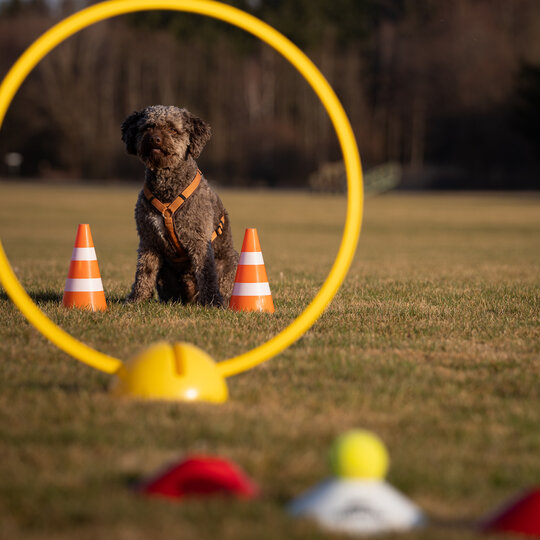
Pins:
x: 163, y: 136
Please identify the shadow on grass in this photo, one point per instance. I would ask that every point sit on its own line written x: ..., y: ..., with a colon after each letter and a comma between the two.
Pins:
x: 54, y: 297
x: 46, y: 297
x: 39, y: 296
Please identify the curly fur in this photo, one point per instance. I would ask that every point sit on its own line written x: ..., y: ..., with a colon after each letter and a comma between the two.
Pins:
x: 168, y: 140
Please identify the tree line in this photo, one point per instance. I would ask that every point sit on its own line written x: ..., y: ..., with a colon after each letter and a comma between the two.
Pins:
x: 448, y: 89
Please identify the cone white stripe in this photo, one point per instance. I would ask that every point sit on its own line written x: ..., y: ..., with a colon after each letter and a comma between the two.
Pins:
x: 83, y: 285
x: 84, y: 254
x: 251, y: 289
x: 251, y: 257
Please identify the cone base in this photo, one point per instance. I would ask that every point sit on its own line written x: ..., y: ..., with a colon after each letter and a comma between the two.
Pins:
x: 252, y: 303
x: 518, y: 516
x: 201, y: 476
x: 93, y: 301
x: 358, y: 507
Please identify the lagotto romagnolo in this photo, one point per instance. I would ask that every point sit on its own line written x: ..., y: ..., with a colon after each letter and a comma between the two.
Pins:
x: 185, y: 250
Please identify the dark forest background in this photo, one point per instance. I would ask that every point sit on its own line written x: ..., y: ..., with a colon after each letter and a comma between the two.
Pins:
x: 449, y: 90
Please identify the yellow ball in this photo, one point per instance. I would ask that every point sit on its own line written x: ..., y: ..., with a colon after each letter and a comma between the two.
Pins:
x: 359, y: 454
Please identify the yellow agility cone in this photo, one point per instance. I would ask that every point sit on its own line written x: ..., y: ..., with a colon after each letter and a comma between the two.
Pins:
x: 251, y: 291
x: 84, y: 288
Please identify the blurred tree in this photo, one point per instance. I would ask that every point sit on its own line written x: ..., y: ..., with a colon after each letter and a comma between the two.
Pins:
x: 11, y: 8
x: 431, y: 85
x: 527, y: 107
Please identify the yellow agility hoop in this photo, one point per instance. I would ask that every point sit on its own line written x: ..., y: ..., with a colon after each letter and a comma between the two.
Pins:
x: 99, y: 12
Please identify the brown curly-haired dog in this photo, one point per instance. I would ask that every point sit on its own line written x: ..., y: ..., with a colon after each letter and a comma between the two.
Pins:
x: 191, y: 258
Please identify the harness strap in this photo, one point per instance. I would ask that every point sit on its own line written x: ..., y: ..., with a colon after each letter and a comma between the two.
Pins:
x: 168, y: 211
x: 173, y: 206
x: 219, y: 229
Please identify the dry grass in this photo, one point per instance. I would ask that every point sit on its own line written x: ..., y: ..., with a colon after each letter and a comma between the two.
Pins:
x: 432, y: 342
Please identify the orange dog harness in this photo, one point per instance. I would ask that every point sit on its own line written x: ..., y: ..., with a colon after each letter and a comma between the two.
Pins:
x: 169, y: 210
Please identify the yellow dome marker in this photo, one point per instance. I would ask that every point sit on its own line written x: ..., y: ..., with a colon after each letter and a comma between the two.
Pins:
x: 164, y: 371
x: 105, y: 10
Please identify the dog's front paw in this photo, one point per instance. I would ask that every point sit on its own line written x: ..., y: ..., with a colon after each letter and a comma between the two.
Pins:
x: 133, y: 298
x: 139, y: 293
x: 212, y: 300
x: 217, y: 301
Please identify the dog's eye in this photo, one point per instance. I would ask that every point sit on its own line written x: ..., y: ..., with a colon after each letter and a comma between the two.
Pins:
x: 173, y: 130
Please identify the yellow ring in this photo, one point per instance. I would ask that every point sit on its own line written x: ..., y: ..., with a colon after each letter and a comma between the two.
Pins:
x: 99, y: 12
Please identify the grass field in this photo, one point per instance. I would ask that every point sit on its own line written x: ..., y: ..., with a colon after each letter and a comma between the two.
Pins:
x: 432, y: 342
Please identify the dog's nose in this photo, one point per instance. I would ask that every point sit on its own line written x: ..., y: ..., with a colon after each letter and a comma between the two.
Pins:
x: 155, y: 139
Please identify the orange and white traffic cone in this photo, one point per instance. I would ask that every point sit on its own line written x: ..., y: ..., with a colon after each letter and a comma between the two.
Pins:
x: 84, y: 288
x: 251, y: 291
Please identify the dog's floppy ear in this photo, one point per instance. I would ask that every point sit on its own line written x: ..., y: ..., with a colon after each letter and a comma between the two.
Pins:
x: 199, y: 133
x: 130, y: 126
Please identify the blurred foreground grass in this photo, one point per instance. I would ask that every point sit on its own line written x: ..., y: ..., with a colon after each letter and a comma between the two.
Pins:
x: 432, y: 342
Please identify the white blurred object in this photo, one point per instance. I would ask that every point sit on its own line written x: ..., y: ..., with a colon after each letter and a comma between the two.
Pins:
x: 13, y: 160
x: 358, y: 507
